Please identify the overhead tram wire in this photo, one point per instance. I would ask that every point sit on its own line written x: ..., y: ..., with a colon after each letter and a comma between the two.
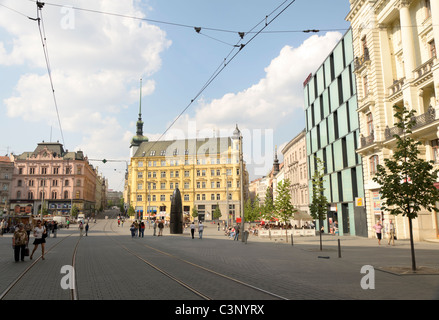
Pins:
x: 225, y: 64
x: 42, y: 31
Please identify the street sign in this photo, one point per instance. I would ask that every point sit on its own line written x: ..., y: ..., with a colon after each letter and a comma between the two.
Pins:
x: 359, y: 202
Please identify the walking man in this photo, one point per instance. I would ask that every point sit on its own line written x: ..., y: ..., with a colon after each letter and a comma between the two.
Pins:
x: 200, y: 229
x: 237, y: 228
x: 192, y: 229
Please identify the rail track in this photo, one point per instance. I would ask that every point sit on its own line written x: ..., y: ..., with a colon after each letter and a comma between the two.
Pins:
x: 198, y: 280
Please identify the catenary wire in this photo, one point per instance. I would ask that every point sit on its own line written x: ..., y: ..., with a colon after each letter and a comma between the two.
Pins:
x: 46, y: 56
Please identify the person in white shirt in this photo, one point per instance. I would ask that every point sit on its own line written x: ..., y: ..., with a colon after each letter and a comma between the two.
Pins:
x: 200, y: 229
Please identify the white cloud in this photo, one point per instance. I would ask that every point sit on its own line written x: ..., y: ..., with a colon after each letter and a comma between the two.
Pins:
x: 96, y: 61
x: 275, y: 98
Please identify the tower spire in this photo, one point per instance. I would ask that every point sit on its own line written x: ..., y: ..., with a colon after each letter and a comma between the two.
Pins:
x: 139, y: 121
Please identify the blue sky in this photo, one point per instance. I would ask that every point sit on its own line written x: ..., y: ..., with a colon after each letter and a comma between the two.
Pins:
x: 97, y: 60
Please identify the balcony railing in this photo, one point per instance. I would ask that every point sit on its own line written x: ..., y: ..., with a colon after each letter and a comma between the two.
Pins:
x: 423, y: 69
x: 367, y: 141
x: 359, y: 62
x: 419, y: 122
x: 396, y: 86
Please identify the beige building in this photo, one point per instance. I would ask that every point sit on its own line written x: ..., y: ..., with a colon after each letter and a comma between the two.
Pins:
x: 395, y: 64
x: 296, y: 170
x: 206, y: 171
x: 6, y: 171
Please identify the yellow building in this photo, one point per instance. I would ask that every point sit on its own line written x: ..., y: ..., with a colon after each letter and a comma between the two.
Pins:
x: 206, y: 171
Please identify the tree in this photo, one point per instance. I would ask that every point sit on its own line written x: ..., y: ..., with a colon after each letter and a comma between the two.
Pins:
x: 282, y: 204
x: 252, y: 210
x: 194, y: 212
x: 268, y: 211
x: 319, y: 204
x: 407, y: 182
x: 216, y: 213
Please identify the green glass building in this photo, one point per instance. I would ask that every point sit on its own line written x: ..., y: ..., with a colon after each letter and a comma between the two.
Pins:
x: 332, y: 134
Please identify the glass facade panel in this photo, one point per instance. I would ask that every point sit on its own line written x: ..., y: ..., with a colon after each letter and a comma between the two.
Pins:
x: 346, y: 79
x: 348, y: 48
x: 347, y: 185
x: 314, y: 139
x: 325, y: 103
x: 350, y: 148
x: 329, y: 162
x: 317, y: 113
x: 338, y: 158
x: 327, y: 186
x: 338, y: 59
x: 320, y: 81
x: 334, y: 187
x: 353, y: 115
x: 333, y: 91
x: 323, y: 134
x: 331, y: 136
x: 311, y: 91
x: 342, y: 121
x: 327, y: 67
x: 360, y: 186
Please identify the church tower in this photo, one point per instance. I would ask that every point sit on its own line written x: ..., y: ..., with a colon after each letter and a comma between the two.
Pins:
x: 138, y: 138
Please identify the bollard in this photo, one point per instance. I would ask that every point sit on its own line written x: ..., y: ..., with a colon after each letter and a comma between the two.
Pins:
x: 339, y: 249
x: 292, y: 240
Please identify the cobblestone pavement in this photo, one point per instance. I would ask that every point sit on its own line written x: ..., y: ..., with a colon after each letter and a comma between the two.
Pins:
x: 105, y: 270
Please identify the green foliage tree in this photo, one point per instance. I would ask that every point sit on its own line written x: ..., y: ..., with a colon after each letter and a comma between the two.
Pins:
x: 283, y: 207
x: 217, y: 212
x: 319, y: 203
x: 407, y: 181
x: 252, y: 210
x: 131, y: 211
x: 194, y: 212
x: 268, y: 211
x: 75, y: 211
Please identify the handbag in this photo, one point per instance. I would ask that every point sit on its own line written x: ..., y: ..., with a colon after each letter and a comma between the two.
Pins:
x: 26, y: 252
x: 44, y: 234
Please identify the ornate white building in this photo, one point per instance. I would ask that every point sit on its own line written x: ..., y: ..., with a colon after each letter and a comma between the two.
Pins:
x: 395, y: 64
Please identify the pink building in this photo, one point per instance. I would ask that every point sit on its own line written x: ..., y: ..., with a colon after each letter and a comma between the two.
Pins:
x: 60, y: 178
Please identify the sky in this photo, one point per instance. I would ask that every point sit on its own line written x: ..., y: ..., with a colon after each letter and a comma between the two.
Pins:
x: 185, y: 61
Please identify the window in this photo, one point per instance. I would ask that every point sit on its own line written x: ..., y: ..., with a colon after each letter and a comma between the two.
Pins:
x: 373, y: 161
x: 435, y: 146
x: 162, y: 197
x: 427, y: 9
x: 152, y: 153
x: 186, y: 185
x: 54, y: 194
x: 369, y: 123
x: 212, y: 196
x: 432, y: 49
x: 186, y: 197
x: 66, y: 194
x: 139, y: 197
x: 365, y: 86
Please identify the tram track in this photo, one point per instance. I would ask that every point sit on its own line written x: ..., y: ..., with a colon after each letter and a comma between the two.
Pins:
x: 262, y: 294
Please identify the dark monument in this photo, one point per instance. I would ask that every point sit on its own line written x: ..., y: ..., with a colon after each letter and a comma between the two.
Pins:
x: 176, y: 223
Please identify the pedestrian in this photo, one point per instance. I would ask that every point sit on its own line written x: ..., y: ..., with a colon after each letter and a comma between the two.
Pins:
x: 141, y: 229
x: 200, y: 229
x: 218, y: 226
x: 391, y: 232
x: 68, y: 223
x: 154, y: 226
x: 86, y: 229
x: 19, y: 242
x: 2, y: 227
x: 133, y: 230
x: 81, y: 228
x: 161, y: 226
x: 192, y: 229
x: 378, y: 228
x: 40, y: 238
x: 237, y: 229
x: 55, y: 228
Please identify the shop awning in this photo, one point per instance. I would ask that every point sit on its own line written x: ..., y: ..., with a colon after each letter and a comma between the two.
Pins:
x: 302, y: 215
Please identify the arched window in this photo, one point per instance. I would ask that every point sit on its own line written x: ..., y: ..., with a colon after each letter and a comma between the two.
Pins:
x: 66, y: 194
x: 373, y: 162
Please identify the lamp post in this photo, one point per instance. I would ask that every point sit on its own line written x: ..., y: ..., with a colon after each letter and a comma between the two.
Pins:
x: 241, y: 185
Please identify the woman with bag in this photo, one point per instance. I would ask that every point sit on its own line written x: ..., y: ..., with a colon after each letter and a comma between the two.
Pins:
x: 19, y: 242
x: 40, y: 235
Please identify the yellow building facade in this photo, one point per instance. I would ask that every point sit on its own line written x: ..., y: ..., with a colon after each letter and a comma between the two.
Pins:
x: 206, y: 172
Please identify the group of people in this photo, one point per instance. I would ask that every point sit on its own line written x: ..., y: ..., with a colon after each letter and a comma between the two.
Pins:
x: 389, y: 229
x: 21, y: 236
x: 136, y: 228
x: 200, y: 229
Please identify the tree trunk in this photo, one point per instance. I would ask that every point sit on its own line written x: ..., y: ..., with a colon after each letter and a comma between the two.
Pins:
x: 412, y: 247
x: 320, y: 240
